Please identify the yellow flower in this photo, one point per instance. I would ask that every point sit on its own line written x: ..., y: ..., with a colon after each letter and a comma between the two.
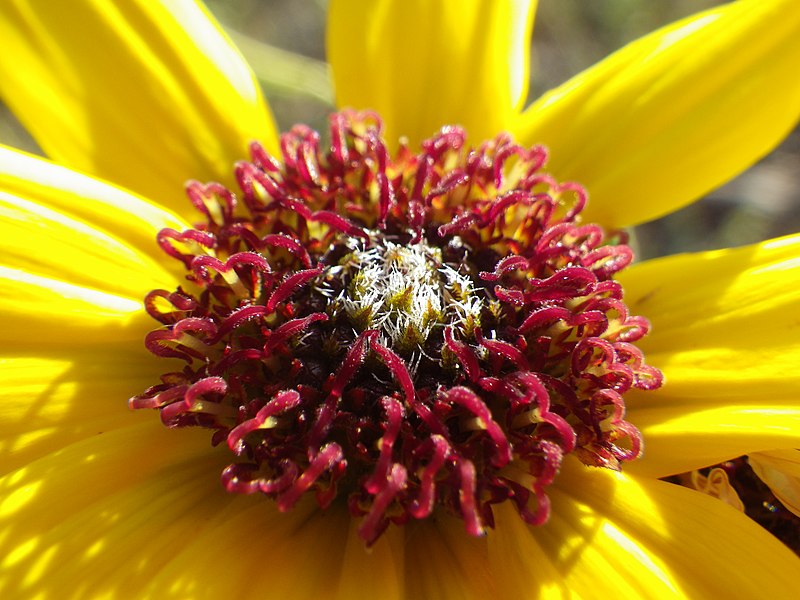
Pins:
x: 98, y: 502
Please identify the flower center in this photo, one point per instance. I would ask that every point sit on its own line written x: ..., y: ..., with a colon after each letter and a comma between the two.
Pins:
x: 405, y: 332
x: 403, y: 291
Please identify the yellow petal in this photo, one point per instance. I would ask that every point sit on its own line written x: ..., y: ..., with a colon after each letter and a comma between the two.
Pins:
x: 691, y: 437
x: 442, y: 561
x: 780, y: 470
x: 102, y: 516
x: 377, y: 572
x: 726, y: 335
x: 70, y: 359
x: 428, y: 559
x: 675, y: 114
x: 114, y: 211
x: 144, y: 515
x: 435, y: 559
x: 66, y: 394
x: 144, y: 94
x: 512, y: 551
x: 423, y: 64
x: 139, y: 511
x: 40, y: 312
x: 615, y: 536
x: 260, y: 553
x: 46, y: 243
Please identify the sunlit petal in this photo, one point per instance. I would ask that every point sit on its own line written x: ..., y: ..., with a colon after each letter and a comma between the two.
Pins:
x: 70, y: 358
x: 66, y: 394
x: 675, y: 114
x: 423, y: 64
x: 129, y: 497
x: 46, y: 243
x: 615, y: 536
x: 780, y: 470
x: 115, y: 211
x: 40, y: 311
x: 144, y: 94
x: 726, y: 335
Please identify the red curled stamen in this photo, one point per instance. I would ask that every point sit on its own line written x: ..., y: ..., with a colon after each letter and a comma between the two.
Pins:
x: 410, y: 332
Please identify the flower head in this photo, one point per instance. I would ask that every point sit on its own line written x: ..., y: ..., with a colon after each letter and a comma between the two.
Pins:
x: 393, y: 326
x: 430, y: 329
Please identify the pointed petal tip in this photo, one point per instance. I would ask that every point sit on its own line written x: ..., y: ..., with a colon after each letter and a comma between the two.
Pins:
x: 675, y: 114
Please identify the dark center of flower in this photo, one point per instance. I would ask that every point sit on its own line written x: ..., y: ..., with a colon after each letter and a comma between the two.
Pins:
x: 400, y: 331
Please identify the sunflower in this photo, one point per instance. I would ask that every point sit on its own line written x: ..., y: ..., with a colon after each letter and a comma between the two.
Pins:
x: 129, y: 99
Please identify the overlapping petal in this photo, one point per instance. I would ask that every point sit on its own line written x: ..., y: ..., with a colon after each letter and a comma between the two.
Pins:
x: 727, y: 337
x: 161, y: 518
x: 675, y: 114
x: 423, y: 64
x: 46, y: 243
x: 107, y: 208
x: 70, y: 358
x: 611, y: 535
x: 780, y: 470
x: 45, y: 313
x: 145, y: 94
x: 51, y: 399
x: 130, y: 498
x: 49, y: 402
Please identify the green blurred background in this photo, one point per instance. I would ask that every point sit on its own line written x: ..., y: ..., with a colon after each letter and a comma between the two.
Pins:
x: 284, y: 42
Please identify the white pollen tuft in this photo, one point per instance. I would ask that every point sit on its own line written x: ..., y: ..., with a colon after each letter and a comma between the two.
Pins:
x: 405, y: 292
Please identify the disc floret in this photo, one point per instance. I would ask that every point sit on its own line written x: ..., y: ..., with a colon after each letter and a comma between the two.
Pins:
x: 401, y: 331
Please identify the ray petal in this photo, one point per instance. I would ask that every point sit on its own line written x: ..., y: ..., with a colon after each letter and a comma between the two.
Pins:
x: 144, y: 94
x: 612, y: 535
x: 423, y: 65
x: 727, y: 337
x: 675, y: 114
